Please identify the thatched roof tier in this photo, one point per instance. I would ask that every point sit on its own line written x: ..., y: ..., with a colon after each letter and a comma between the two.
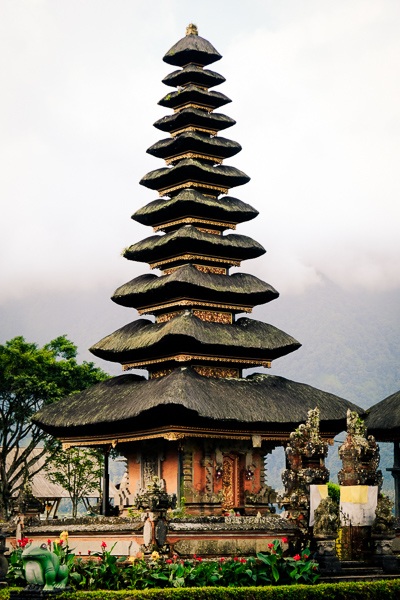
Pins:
x: 193, y: 173
x: 195, y: 118
x: 197, y: 143
x: 185, y: 334
x: 260, y: 403
x: 192, y: 49
x: 189, y: 283
x: 193, y: 75
x: 383, y: 420
x: 191, y: 203
x: 192, y: 94
x: 189, y: 240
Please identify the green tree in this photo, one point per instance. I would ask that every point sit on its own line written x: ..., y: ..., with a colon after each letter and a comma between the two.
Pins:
x: 78, y: 470
x: 31, y: 377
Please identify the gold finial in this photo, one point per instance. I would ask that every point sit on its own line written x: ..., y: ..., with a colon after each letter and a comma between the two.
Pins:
x: 191, y: 29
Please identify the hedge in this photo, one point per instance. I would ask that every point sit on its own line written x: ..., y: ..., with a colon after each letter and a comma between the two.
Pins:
x: 365, y: 590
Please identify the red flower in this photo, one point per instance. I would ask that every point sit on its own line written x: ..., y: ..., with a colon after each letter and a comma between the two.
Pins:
x: 175, y: 556
x: 221, y: 559
x: 235, y: 558
x: 103, y: 545
x: 89, y: 552
x: 168, y: 561
x: 297, y: 557
x: 49, y: 542
x: 61, y: 542
x: 270, y: 545
x: 243, y: 560
x: 199, y: 559
x: 284, y: 540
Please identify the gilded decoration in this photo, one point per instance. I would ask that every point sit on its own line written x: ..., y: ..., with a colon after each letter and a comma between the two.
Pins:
x: 190, y: 257
x: 193, y: 128
x: 216, y: 372
x: 212, y: 316
x: 191, y: 29
x: 193, y: 184
x: 190, y: 357
x: 193, y: 105
x: 206, y: 230
x: 168, y: 316
x: 191, y: 303
x: 162, y: 373
x: 228, y: 501
x: 174, y: 159
x: 193, y: 220
x: 210, y: 269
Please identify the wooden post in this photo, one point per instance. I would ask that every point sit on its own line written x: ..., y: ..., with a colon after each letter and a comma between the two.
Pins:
x: 106, y: 486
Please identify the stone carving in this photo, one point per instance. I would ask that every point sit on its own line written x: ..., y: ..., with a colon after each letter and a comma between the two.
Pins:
x: 384, y: 519
x: 305, y: 453
x: 148, y: 531
x: 359, y: 455
x: 154, y: 497
x: 161, y: 531
x: 42, y: 568
x: 326, y: 518
x: 149, y: 469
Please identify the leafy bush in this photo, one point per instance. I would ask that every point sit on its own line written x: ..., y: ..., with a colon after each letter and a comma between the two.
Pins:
x: 365, y: 590
x: 105, y: 571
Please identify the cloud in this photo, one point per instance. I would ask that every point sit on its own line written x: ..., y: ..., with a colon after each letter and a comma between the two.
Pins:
x: 315, y: 89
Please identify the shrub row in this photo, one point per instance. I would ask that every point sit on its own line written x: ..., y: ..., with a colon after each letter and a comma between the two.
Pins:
x: 373, y: 590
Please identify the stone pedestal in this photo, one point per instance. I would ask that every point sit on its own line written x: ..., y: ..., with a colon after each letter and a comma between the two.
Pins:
x: 327, y: 559
x: 383, y: 555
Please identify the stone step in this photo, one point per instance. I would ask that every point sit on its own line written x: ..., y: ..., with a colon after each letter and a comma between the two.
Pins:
x: 347, y: 578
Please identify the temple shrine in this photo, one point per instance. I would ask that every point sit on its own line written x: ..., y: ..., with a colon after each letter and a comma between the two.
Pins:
x: 194, y: 419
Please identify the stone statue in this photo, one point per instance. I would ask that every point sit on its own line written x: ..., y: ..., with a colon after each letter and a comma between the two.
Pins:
x: 384, y: 519
x: 42, y: 568
x: 326, y: 518
x: 359, y: 455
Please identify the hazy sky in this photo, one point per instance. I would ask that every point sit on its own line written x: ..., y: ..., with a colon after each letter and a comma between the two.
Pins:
x: 315, y: 89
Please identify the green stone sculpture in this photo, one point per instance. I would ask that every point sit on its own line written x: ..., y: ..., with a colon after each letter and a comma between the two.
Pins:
x: 42, y: 568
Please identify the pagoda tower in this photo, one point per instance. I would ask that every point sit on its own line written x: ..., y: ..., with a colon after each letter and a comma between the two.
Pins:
x: 195, y: 420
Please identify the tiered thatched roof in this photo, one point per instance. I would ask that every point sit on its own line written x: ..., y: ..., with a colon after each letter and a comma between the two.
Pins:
x: 195, y: 299
x: 383, y: 420
x: 184, y: 399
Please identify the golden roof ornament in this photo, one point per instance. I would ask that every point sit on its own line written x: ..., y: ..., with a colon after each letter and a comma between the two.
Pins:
x: 191, y: 29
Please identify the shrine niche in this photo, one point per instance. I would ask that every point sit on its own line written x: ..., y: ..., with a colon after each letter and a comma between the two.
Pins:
x: 196, y: 419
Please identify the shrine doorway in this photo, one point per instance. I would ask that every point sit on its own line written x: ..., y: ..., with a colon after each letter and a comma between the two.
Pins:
x: 233, y: 481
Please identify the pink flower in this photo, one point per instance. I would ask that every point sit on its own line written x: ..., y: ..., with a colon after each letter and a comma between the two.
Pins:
x: 297, y: 557
x: 284, y: 540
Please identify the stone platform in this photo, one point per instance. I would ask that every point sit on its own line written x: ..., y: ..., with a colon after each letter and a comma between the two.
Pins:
x: 204, y: 536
